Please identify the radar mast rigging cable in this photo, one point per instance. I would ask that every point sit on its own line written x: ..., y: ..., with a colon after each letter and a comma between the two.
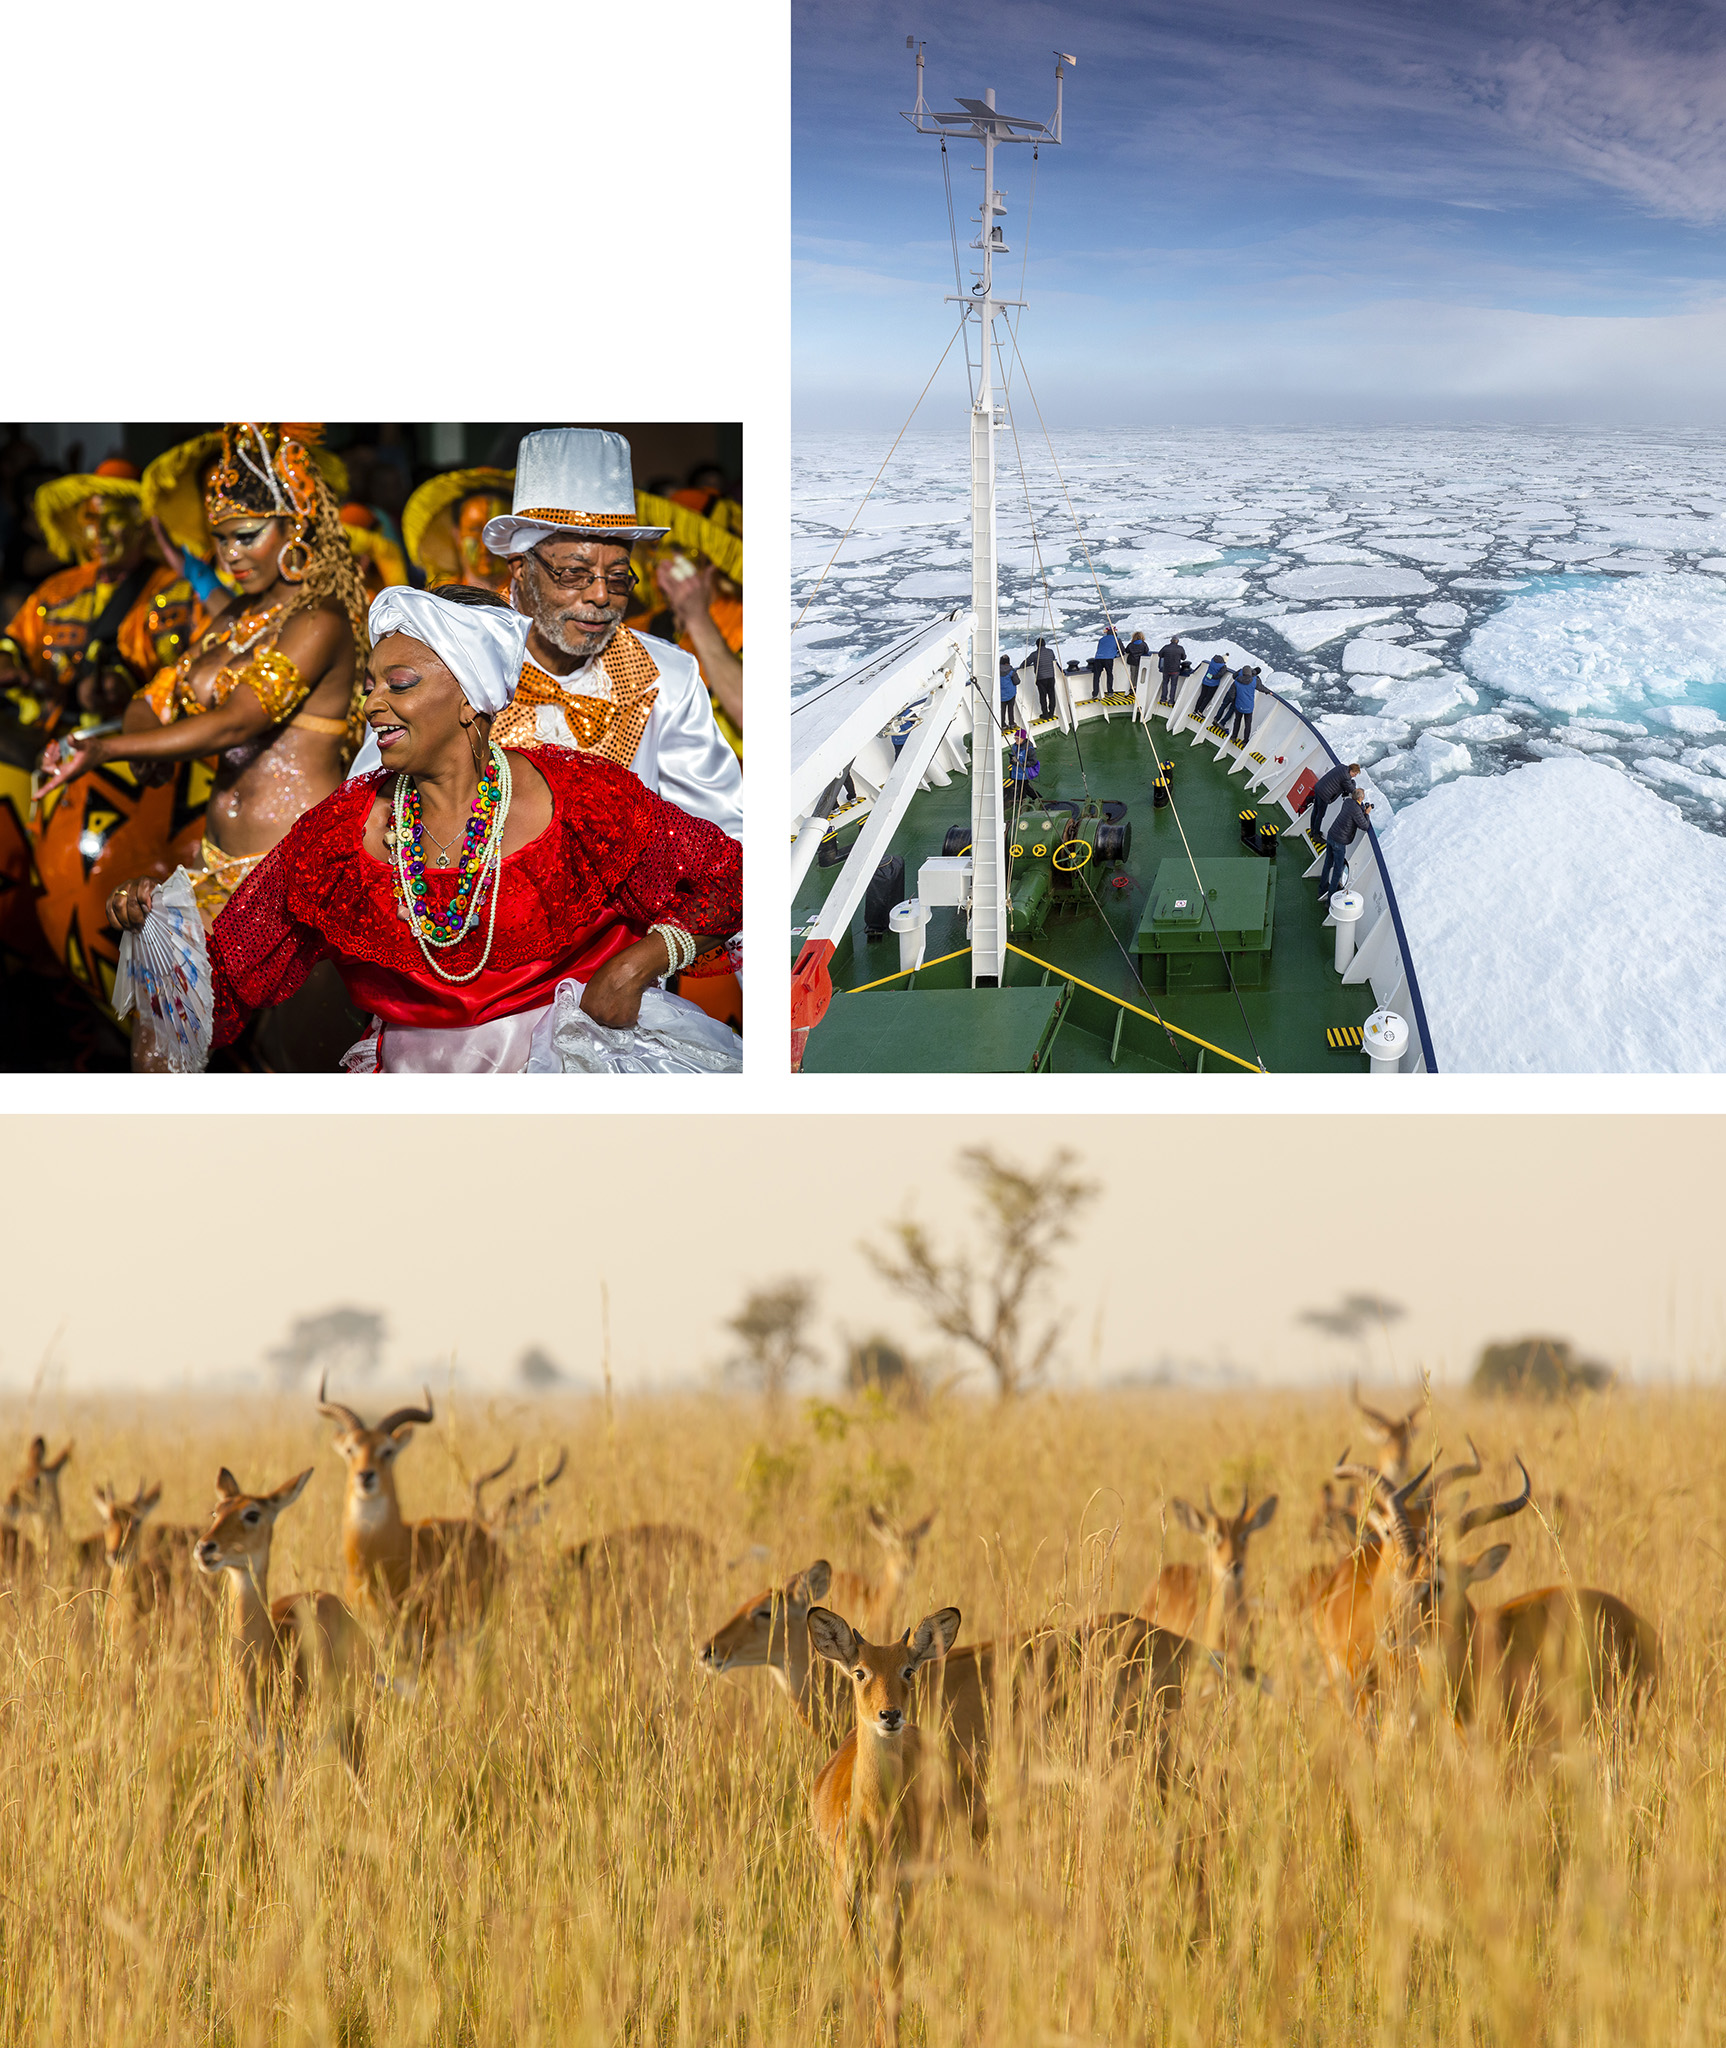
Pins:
x: 887, y: 458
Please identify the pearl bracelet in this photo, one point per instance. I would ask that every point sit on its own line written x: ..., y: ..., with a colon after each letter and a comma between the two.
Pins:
x: 679, y: 945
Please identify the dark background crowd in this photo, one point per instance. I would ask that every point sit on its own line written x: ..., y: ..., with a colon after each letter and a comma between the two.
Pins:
x: 386, y: 463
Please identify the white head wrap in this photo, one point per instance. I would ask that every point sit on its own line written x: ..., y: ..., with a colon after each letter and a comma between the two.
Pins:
x: 482, y: 646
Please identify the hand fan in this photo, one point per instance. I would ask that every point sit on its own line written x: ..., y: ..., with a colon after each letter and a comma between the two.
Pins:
x: 165, y: 974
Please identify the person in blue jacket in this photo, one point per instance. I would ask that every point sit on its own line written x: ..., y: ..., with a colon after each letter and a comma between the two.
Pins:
x: 1022, y: 766
x: 1246, y: 690
x: 1103, y: 661
x: 1216, y: 669
x: 1009, y: 689
x: 1347, y: 823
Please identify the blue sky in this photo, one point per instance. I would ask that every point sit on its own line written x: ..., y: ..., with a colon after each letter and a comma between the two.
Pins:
x: 1316, y: 210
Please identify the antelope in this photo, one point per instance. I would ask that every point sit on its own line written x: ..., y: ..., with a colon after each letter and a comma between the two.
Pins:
x: 875, y: 1801
x: 35, y: 1500
x: 1350, y: 1603
x: 1395, y: 1435
x: 645, y: 1548
x: 1144, y: 1667
x: 1215, y: 1617
x: 1539, y: 1664
x: 420, y: 1575
x: 148, y: 1571
x: 308, y: 1640
x: 875, y: 1599
x: 1339, y: 1520
x: 522, y: 1507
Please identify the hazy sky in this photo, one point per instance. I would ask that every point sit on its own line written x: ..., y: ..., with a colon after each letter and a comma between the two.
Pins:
x: 155, y: 1251
x: 1307, y: 210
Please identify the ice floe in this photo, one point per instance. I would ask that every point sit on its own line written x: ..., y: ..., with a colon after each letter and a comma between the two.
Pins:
x: 1306, y: 630
x: 1605, y: 647
x: 1689, y: 718
x: 1384, y: 658
x: 1563, y: 919
x: 1450, y: 616
x: 1351, y: 582
x: 1485, y: 725
x: 1357, y: 736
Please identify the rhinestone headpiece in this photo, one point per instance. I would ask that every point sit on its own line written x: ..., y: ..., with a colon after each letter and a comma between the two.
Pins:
x: 264, y: 471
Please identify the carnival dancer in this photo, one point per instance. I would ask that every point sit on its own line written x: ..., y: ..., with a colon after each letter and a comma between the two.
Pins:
x: 443, y: 528
x: 85, y: 640
x: 272, y: 686
x: 587, y: 682
x: 455, y: 883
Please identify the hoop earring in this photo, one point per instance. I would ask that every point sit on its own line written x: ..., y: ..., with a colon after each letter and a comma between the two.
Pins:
x: 298, y: 573
x: 476, y: 746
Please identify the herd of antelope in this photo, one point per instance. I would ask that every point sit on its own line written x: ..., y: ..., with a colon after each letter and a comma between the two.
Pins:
x: 908, y: 1718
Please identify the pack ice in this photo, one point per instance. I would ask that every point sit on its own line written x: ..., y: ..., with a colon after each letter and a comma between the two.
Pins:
x: 1563, y: 919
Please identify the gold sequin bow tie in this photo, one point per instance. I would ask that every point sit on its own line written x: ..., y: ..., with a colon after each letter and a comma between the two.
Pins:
x: 609, y: 726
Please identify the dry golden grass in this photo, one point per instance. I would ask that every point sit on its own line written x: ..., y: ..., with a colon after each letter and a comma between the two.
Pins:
x: 570, y: 1834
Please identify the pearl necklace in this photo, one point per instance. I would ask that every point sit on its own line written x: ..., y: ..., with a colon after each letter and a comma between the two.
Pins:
x: 490, y: 866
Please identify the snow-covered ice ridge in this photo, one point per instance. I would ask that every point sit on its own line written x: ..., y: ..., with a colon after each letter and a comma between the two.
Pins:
x: 1442, y: 601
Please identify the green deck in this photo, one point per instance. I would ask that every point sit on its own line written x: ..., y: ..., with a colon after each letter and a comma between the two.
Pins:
x: 940, y: 1031
x: 1288, y: 1012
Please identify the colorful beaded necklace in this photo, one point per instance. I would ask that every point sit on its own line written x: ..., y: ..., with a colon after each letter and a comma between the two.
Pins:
x: 481, y: 863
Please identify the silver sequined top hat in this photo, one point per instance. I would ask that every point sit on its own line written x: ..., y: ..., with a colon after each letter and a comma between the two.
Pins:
x: 574, y: 482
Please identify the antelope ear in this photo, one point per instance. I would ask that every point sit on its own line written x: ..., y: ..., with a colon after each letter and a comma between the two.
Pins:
x: 915, y: 1534
x: 1485, y: 1565
x: 1188, y: 1516
x: 1265, y: 1516
x: 878, y: 1517
x: 811, y: 1585
x: 832, y: 1636
x: 60, y: 1462
x: 227, y: 1486
x: 934, y: 1635
x: 104, y: 1506
x: 148, y: 1501
x: 285, y: 1496
x: 402, y: 1435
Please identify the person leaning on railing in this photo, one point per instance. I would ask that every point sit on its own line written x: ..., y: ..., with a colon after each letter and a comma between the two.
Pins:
x: 1344, y: 829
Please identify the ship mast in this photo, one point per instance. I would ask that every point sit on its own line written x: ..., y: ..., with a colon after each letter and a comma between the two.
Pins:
x: 978, y: 118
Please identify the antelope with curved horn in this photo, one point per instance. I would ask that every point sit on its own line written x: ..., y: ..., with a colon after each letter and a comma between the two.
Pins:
x: 522, y: 1507
x: 1351, y: 1603
x: 1395, y: 1435
x: 423, y: 1576
x: 1540, y: 1664
x: 1338, y: 1520
x: 309, y: 1641
x: 1213, y: 1614
x: 876, y: 1799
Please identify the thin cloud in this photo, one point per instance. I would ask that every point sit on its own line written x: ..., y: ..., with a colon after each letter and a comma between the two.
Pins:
x: 1633, y: 101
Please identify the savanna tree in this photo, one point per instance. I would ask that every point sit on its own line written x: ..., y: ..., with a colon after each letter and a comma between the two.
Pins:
x: 984, y: 1299
x: 772, y: 1327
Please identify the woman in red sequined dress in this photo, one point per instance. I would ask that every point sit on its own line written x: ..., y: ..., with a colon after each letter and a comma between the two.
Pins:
x: 457, y: 885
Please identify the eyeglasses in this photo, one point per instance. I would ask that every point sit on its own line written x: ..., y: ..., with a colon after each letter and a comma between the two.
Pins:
x: 617, y: 582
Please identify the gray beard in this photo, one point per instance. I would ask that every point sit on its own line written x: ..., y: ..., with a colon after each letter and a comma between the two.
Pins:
x: 583, y: 650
